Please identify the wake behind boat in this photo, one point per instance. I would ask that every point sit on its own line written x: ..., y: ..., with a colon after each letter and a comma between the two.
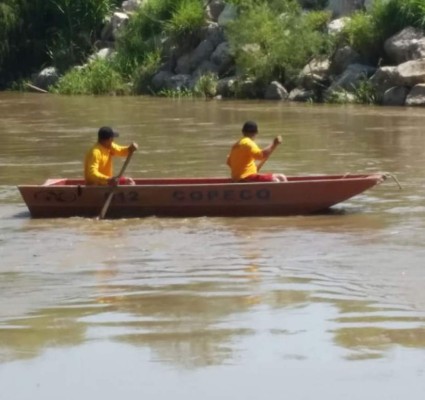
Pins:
x: 193, y: 197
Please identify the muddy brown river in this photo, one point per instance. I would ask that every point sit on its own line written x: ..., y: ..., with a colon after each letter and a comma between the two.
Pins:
x: 329, y: 306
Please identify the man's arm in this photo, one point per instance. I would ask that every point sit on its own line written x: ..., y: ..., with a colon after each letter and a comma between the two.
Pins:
x: 270, y: 148
x: 123, y: 151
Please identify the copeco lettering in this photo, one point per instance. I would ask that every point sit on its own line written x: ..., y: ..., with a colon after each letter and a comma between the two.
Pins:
x: 223, y: 195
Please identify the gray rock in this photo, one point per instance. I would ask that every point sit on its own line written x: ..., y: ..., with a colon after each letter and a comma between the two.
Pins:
x: 103, y: 54
x: 226, y: 87
x: 179, y: 82
x: 228, y: 14
x: 118, y: 22
x: 276, y: 91
x: 395, y: 96
x: 160, y: 80
x: 314, y: 74
x: 408, y: 44
x: 351, y: 77
x: 188, y: 63
x: 342, y: 58
x: 214, y: 8
x: 337, y: 25
x: 384, y: 79
x: 301, y: 95
x: 214, y: 33
x: 205, y: 67
x: 412, y: 72
x: 222, y: 57
x: 184, y: 65
x: 416, y: 97
x: 45, y: 78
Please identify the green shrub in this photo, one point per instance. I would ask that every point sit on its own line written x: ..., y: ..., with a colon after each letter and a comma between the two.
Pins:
x: 144, y: 73
x: 186, y: 20
x: 318, y: 20
x: 271, y: 46
x: 34, y: 33
x: 206, y: 86
x: 143, y: 34
x: 365, y: 93
x: 98, y: 77
x: 176, y: 93
x: 362, y: 35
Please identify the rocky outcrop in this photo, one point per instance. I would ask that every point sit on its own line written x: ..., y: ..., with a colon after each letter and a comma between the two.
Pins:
x: 400, y: 82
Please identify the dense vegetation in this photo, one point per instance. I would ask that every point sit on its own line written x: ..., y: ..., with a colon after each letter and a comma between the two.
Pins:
x: 367, y: 31
x: 270, y: 39
x: 35, y: 33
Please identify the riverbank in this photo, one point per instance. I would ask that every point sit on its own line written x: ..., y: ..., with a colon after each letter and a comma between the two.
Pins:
x: 296, y: 51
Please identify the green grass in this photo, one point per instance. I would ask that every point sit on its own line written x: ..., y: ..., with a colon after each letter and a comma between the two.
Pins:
x: 98, y: 77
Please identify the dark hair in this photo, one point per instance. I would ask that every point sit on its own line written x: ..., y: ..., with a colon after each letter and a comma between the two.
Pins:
x: 106, y: 132
x: 250, y: 127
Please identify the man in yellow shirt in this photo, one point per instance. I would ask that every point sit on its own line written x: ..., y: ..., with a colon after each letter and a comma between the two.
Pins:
x: 98, y: 162
x: 245, y: 152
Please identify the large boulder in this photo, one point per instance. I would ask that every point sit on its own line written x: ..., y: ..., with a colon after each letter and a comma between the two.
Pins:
x: 342, y: 58
x: 416, y: 97
x: 204, y: 68
x: 180, y: 82
x: 408, y: 44
x: 188, y: 63
x: 350, y: 79
x: 313, y: 74
x: 276, y: 91
x: 384, y: 79
x: 160, y: 80
x: 412, y: 72
x: 213, y: 32
x: 45, y: 78
x: 395, y: 96
x: 222, y: 57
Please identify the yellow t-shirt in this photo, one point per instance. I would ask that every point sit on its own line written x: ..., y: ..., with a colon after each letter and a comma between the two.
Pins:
x: 242, y: 158
x: 98, y: 163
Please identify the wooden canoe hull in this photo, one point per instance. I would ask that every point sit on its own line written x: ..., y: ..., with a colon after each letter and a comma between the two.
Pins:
x: 194, y: 197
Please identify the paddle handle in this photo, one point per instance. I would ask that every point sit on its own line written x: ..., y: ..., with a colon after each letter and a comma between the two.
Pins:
x: 276, y: 143
x: 111, y: 194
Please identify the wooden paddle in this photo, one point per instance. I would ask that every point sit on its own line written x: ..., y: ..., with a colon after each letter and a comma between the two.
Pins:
x: 111, y: 194
x: 276, y: 143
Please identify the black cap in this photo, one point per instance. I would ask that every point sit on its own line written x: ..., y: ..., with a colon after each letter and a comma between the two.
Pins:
x: 250, y: 127
x: 106, y: 132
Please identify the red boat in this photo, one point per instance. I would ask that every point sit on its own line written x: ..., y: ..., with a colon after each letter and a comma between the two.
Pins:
x: 192, y: 197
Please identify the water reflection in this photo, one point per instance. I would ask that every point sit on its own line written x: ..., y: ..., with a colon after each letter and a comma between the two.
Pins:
x: 191, y: 314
